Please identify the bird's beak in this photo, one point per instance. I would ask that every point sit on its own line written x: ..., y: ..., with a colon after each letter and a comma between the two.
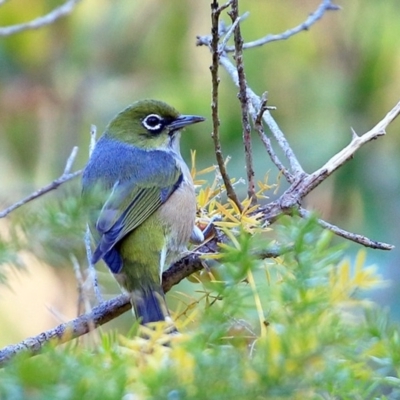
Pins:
x: 184, y: 120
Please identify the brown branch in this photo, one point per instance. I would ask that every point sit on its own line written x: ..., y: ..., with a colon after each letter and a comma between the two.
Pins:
x: 108, y: 310
x: 303, y: 183
x: 65, y: 332
x: 214, y: 45
x: 45, y: 20
x: 234, y: 14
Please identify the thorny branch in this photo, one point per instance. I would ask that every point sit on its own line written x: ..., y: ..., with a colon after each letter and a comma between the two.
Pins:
x: 40, y: 22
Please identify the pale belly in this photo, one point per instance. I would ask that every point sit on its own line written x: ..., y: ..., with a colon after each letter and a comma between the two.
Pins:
x: 178, y: 214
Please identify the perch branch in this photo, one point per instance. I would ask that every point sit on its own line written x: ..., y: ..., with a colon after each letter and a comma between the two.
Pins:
x: 106, y: 311
x: 301, y: 185
x: 39, y: 22
x: 290, y: 199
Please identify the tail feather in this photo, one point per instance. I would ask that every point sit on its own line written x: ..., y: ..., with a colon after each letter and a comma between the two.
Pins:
x: 150, y: 305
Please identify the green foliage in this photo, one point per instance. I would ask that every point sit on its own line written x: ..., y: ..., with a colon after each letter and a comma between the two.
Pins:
x: 291, y: 328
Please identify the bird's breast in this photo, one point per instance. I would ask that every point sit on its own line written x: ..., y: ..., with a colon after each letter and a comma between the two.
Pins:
x: 178, y: 217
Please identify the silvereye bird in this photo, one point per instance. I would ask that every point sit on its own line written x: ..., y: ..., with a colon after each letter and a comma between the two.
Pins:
x: 144, y: 210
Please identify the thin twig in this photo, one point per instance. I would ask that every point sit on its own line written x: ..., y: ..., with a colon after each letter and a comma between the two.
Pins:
x: 325, y: 6
x: 354, y: 237
x: 80, y: 284
x: 292, y: 197
x: 295, y: 166
x: 313, y: 180
x: 234, y: 14
x: 93, y: 134
x: 91, y: 269
x: 231, y: 30
x: 267, y: 143
x: 66, y: 176
x: 215, y: 14
x: 39, y: 22
x: 83, y: 300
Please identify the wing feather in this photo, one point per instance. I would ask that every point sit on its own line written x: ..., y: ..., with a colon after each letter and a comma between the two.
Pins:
x: 135, y: 191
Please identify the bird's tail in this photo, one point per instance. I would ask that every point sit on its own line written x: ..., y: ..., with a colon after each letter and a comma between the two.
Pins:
x: 150, y: 306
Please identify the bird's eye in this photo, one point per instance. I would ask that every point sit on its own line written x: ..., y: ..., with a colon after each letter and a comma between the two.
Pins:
x: 153, y: 122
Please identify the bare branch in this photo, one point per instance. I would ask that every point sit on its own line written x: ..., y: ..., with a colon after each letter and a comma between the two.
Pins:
x: 231, y: 30
x: 70, y: 330
x: 354, y: 237
x: 93, y: 134
x: 66, y: 176
x: 296, y: 168
x: 108, y: 310
x: 325, y: 6
x: 91, y: 269
x: 248, y: 151
x: 304, y: 184
x: 268, y: 146
x: 214, y: 45
x: 301, y: 183
x: 314, y: 179
x: 39, y: 22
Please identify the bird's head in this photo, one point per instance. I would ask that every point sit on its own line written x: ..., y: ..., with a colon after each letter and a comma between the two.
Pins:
x: 150, y: 124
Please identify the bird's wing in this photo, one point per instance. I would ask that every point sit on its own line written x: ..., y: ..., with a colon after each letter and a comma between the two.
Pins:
x: 133, y: 199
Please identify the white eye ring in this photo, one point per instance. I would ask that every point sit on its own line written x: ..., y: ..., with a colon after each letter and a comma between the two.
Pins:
x: 153, y: 122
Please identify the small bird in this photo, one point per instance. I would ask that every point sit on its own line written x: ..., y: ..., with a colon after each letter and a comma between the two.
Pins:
x: 142, y: 201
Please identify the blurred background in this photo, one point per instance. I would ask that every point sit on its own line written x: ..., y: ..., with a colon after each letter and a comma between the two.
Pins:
x: 57, y: 81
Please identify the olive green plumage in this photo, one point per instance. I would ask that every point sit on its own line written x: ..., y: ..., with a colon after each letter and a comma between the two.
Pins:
x: 142, y: 200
